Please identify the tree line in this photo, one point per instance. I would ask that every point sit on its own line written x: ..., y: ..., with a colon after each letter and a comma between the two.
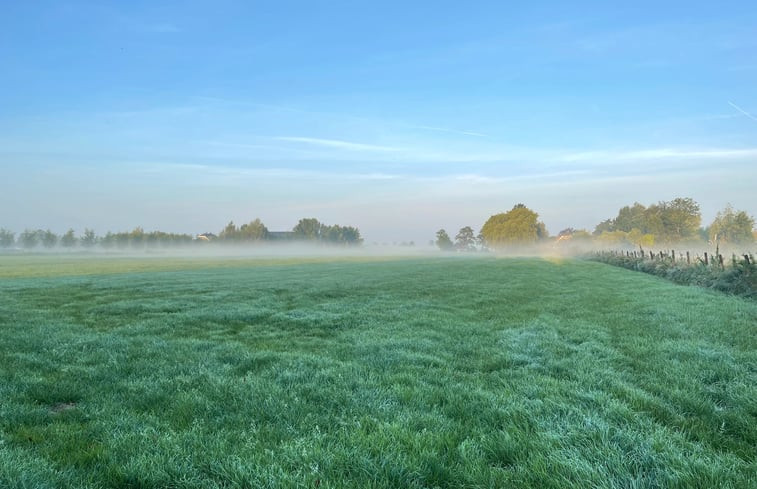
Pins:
x: 675, y: 221
x: 306, y: 230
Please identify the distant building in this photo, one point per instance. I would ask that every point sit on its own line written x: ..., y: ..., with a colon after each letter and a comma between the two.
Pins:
x: 206, y: 237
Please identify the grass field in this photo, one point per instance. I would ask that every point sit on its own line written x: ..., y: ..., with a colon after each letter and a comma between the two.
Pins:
x: 203, y: 373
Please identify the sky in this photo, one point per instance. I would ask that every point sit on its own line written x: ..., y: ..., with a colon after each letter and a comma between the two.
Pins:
x: 399, y: 118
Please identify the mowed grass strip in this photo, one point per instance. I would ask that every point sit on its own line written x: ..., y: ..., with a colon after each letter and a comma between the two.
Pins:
x: 426, y: 373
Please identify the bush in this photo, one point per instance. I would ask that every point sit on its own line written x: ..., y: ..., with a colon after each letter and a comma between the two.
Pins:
x: 740, y: 278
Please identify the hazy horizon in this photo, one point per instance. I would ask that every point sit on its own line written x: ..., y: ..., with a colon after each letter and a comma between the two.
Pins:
x: 397, y: 119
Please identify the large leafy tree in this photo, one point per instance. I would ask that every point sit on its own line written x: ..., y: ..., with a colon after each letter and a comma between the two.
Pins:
x: 630, y: 217
x: 89, y: 238
x: 732, y: 226
x: 351, y: 235
x: 336, y: 234
x: 671, y: 221
x: 680, y: 219
x: 29, y: 238
x: 253, y: 231
x: 465, y: 239
x: 443, y: 241
x: 308, y: 229
x: 48, y: 238
x: 606, y: 226
x: 518, y: 226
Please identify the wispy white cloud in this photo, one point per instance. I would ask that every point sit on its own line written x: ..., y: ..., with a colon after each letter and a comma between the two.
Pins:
x: 742, y: 111
x: 335, y: 143
x: 204, y: 172
x: 452, y: 131
x: 657, y: 154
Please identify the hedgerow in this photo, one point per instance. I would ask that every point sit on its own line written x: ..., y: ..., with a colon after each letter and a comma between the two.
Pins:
x: 739, y: 277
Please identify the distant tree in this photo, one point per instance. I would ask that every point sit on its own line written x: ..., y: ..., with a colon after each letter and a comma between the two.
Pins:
x: 253, y: 231
x: 480, y: 241
x: 68, y: 240
x: 89, y: 238
x: 352, y: 236
x: 137, y: 237
x: 7, y: 238
x: 49, y: 239
x: 465, y: 239
x: 681, y: 219
x: 630, y: 217
x: 672, y: 221
x: 308, y: 229
x: 156, y: 238
x: 731, y: 226
x: 443, y: 241
x: 122, y: 239
x: 29, y: 238
x: 229, y: 233
x: 608, y: 225
x: 343, y: 235
x: 520, y: 225
x: 108, y: 241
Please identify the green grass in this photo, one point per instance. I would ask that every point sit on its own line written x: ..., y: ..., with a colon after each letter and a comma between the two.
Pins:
x: 396, y: 373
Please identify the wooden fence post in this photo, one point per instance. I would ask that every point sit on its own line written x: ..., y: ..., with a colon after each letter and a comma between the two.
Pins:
x: 688, y: 258
x: 706, y: 261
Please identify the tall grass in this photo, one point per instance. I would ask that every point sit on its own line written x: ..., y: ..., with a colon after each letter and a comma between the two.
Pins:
x: 427, y: 373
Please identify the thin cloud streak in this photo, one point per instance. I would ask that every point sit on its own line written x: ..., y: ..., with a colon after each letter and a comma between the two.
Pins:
x: 335, y: 143
x: 657, y: 154
x: 452, y: 131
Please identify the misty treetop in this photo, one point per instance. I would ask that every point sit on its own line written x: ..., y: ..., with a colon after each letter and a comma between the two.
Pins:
x: 667, y: 222
x: 312, y: 230
x: 732, y: 226
x: 252, y: 231
x: 255, y: 231
x: 443, y: 241
x: 520, y: 225
x: 465, y: 239
x: 678, y: 220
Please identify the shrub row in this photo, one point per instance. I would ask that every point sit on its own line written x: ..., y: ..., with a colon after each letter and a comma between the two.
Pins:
x: 739, y: 277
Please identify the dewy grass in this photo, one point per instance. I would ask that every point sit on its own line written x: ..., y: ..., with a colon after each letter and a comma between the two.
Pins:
x: 426, y: 373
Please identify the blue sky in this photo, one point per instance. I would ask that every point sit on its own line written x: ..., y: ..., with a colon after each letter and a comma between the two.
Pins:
x: 396, y: 117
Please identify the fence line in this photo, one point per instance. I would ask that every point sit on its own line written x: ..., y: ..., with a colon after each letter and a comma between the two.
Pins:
x: 707, y: 259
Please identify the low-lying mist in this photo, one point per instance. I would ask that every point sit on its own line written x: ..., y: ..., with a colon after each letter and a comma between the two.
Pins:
x: 551, y: 248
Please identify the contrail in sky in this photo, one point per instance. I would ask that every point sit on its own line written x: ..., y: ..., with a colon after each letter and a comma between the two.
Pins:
x: 742, y: 111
